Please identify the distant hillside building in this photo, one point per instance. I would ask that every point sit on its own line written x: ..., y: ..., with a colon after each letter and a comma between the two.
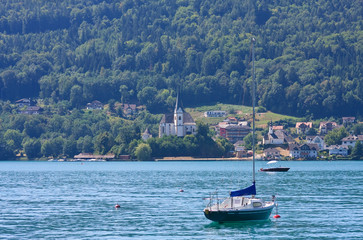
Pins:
x: 24, y: 102
x: 233, y: 132
x: 215, y: 114
x: 95, y: 105
x: 326, y: 127
x: 348, y: 120
x: 351, y: 140
x: 318, y: 140
x: 179, y: 123
x: 146, y: 135
x: 303, y: 127
x: 31, y: 110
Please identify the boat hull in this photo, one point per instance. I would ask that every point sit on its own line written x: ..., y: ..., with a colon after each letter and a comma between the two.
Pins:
x: 278, y: 169
x: 238, y: 215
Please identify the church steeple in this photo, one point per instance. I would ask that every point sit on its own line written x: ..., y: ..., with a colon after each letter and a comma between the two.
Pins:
x: 270, y: 129
x: 178, y: 104
x: 178, y: 118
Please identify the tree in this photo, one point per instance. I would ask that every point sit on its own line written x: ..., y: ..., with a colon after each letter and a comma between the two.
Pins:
x: 143, y: 152
x: 32, y: 148
x: 335, y: 136
x: 104, y: 142
x: 76, y: 96
x: 357, y: 152
x: 33, y: 128
x: 13, y: 139
x: 6, y: 153
x: 248, y: 140
x: 70, y: 148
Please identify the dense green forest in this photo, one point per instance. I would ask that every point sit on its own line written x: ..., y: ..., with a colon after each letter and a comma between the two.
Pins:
x: 309, y: 53
x: 67, y: 53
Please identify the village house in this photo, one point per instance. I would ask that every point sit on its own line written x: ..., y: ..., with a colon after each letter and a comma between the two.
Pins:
x: 231, y: 120
x: 351, y: 140
x: 318, y: 140
x: 179, y: 123
x: 215, y: 114
x: 24, y: 102
x: 95, y: 105
x: 31, y: 110
x: 326, y: 127
x: 303, y: 127
x: 338, y: 150
x: 271, y: 153
x: 129, y: 109
x: 240, y: 150
x: 348, y: 120
x: 307, y: 151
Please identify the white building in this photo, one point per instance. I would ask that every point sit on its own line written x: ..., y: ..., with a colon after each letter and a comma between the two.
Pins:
x: 179, y: 123
x: 271, y: 137
x: 338, y: 150
x: 215, y: 114
x: 352, y: 140
x: 303, y: 151
x: 146, y: 135
x: 318, y: 140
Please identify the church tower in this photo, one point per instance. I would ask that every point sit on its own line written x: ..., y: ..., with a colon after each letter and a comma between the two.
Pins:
x: 178, y: 119
x: 270, y: 129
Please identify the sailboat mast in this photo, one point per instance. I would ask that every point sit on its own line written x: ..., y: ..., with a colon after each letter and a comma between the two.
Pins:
x: 253, y: 106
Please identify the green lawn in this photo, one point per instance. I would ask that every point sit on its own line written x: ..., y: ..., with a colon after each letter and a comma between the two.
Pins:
x: 236, y: 111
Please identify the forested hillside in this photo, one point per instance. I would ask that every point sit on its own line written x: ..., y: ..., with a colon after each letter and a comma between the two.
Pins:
x: 308, y: 55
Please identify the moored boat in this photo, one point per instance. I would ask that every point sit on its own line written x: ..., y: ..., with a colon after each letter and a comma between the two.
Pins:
x: 238, y: 207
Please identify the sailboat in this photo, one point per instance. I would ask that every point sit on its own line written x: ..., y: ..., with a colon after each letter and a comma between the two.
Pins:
x: 241, y: 205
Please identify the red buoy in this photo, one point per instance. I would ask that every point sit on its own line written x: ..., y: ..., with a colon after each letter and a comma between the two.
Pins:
x: 117, y: 206
x: 277, y: 216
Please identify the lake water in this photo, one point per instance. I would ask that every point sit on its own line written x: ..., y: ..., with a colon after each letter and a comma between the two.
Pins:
x: 74, y: 200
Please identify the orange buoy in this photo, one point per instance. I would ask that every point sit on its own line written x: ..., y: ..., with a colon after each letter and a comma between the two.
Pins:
x: 117, y: 206
x: 277, y: 216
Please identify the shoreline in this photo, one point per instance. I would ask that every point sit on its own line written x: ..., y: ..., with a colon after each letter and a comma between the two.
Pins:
x: 181, y: 159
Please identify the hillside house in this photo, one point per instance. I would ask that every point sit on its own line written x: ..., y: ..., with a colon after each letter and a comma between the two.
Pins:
x: 318, y: 140
x: 351, y: 140
x: 215, y: 114
x: 31, y: 110
x: 303, y: 127
x: 24, y: 102
x: 326, y: 127
x: 129, y: 109
x: 94, y: 105
x: 233, y: 132
x: 348, y: 120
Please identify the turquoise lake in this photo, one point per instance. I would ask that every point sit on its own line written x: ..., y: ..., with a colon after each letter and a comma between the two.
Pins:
x: 76, y: 200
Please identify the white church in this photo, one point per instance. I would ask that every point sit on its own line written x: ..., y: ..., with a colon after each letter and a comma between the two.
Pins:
x: 179, y: 123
